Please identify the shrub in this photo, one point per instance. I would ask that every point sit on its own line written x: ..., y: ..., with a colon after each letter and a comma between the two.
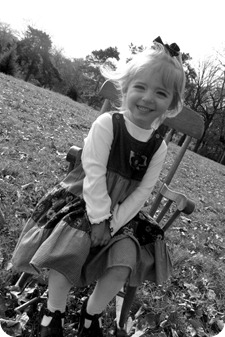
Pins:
x: 8, y: 63
x: 72, y: 93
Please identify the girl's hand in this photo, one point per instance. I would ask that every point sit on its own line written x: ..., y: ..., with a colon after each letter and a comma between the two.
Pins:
x: 107, y: 234
x: 100, y: 234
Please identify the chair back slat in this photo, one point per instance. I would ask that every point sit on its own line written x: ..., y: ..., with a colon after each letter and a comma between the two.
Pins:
x: 105, y: 106
x: 171, y: 220
x: 164, y: 211
x: 187, y: 122
x: 109, y: 91
x: 177, y: 160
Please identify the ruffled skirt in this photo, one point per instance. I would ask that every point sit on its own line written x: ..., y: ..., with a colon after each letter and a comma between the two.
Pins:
x: 57, y: 236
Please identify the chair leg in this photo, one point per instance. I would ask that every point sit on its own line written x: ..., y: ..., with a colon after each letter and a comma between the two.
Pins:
x: 21, y: 282
x: 127, y: 302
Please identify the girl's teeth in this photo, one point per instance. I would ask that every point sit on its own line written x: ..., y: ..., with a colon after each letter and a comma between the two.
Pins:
x: 143, y: 108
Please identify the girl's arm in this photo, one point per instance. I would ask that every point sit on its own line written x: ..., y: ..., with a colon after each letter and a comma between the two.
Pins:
x: 95, y: 155
x: 124, y: 212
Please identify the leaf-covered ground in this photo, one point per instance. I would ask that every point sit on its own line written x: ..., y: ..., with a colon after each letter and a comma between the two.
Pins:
x: 37, y: 128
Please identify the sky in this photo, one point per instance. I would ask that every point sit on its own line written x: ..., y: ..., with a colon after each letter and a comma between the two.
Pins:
x: 78, y: 27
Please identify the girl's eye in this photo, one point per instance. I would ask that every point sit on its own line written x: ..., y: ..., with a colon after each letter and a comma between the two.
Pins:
x: 162, y: 93
x: 140, y: 87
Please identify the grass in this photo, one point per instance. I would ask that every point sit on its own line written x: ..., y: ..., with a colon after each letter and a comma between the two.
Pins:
x: 37, y: 128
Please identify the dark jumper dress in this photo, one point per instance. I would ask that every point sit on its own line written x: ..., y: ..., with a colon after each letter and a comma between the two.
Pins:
x: 57, y: 235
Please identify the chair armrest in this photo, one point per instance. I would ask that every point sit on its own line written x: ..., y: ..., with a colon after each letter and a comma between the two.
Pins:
x: 73, y: 157
x: 184, y: 204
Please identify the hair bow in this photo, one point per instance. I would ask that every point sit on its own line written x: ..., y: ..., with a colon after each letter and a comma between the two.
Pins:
x: 173, y: 48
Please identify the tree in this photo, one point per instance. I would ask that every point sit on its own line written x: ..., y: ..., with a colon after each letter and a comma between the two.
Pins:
x: 73, y: 79
x: 8, y: 38
x: 206, y: 95
x: 34, y: 57
x: 103, y: 56
x: 8, y: 63
x: 134, y: 50
x: 92, y: 73
x: 8, y: 56
x: 189, y: 70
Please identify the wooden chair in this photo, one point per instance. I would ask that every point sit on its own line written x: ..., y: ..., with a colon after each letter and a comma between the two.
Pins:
x: 188, y: 123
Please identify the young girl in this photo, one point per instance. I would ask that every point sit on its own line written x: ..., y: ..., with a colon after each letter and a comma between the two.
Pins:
x: 79, y: 229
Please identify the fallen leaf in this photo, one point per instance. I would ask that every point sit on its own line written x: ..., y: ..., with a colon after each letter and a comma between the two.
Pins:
x: 211, y: 295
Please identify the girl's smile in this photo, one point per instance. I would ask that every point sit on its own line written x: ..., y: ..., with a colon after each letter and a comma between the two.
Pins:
x: 143, y: 108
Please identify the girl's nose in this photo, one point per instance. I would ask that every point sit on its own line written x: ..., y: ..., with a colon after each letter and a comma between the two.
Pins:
x: 148, y: 96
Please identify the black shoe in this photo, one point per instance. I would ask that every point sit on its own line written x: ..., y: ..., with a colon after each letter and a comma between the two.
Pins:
x: 121, y: 332
x: 94, y: 330
x: 54, y: 329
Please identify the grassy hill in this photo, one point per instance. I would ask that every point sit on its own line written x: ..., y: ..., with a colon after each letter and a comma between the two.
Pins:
x: 37, y: 128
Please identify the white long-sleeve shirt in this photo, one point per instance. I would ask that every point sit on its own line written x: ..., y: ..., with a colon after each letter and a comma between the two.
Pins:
x: 95, y: 155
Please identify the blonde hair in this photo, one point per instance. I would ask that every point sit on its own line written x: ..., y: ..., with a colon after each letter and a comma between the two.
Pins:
x: 159, y: 59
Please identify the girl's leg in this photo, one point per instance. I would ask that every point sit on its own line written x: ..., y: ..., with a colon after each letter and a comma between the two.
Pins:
x: 58, y: 289
x: 105, y: 290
